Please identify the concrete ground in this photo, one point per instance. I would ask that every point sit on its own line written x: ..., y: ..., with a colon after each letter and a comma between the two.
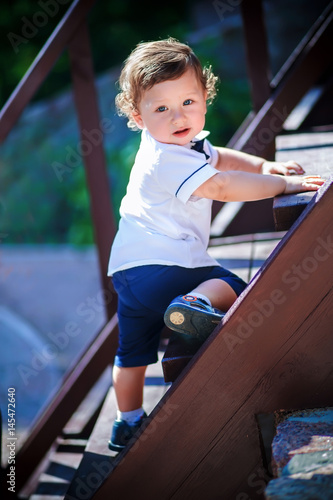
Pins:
x: 51, y: 307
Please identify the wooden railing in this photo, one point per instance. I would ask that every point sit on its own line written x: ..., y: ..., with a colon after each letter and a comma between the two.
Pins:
x: 71, y: 33
x: 271, y: 107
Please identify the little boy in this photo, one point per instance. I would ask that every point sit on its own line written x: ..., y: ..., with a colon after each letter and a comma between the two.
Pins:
x: 159, y: 262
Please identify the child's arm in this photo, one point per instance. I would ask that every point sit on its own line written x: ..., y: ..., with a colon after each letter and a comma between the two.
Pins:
x: 230, y: 159
x: 245, y: 186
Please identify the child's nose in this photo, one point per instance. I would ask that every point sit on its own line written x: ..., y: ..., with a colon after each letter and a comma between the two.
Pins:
x: 178, y: 116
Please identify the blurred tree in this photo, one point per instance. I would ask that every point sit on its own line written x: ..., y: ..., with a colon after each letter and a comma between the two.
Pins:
x: 115, y: 28
x: 48, y: 129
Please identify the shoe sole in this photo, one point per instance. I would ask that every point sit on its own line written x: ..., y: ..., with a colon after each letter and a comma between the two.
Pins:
x: 189, y: 321
x: 115, y: 447
x: 119, y: 447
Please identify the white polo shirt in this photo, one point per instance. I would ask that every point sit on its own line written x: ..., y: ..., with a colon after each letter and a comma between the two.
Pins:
x: 161, y: 222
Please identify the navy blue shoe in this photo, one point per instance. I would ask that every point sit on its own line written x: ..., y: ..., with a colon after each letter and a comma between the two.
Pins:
x: 122, y: 433
x: 192, y: 316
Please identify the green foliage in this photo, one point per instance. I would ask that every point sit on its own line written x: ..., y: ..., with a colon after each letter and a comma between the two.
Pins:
x: 37, y: 203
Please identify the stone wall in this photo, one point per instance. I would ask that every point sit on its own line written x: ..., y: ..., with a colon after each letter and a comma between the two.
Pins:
x: 302, y: 456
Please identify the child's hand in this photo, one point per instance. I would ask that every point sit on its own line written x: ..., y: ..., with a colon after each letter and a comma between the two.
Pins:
x: 282, y: 168
x: 304, y: 183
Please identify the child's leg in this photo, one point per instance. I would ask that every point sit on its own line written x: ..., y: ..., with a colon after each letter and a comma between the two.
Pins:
x: 220, y: 294
x: 128, y: 384
x: 197, y: 313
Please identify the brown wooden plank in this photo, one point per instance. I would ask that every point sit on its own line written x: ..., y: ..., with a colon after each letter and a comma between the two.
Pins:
x: 314, y: 151
x: 179, y: 352
x: 74, y: 389
x: 97, y: 461
x: 274, y: 351
x: 256, y: 51
x: 95, y: 163
x: 316, y: 54
x: 244, y: 255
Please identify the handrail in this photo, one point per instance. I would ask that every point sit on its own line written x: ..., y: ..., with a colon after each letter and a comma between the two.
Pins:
x: 71, y: 32
x: 291, y: 83
x: 71, y: 394
x: 42, y: 65
x: 317, y: 54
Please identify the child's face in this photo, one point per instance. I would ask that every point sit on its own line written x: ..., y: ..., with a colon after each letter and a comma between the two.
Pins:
x: 173, y: 111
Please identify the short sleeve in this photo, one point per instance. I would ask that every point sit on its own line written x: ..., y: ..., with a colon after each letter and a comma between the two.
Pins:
x: 214, y: 156
x: 180, y: 170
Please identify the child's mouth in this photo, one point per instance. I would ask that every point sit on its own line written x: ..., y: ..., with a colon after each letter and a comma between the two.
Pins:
x: 182, y: 132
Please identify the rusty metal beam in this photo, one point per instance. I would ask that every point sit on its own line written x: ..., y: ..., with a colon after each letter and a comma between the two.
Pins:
x: 42, y: 65
x: 91, y: 126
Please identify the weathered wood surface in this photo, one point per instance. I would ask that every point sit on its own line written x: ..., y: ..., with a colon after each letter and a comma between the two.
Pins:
x: 73, y: 391
x: 273, y: 351
x: 243, y: 255
x: 97, y: 460
x: 314, y: 151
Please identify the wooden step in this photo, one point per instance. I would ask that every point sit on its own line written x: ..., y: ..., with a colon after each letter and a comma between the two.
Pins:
x: 54, y: 481
x: 97, y: 460
x: 202, y: 440
x: 54, y: 474
x: 244, y: 255
x: 314, y: 152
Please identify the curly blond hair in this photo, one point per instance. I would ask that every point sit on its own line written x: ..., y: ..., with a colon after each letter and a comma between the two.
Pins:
x: 155, y: 62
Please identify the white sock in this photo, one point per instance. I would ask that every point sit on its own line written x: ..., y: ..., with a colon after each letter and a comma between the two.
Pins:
x: 131, y: 417
x: 201, y: 296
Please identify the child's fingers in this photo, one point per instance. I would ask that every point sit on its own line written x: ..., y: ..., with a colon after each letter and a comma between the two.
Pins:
x: 293, y: 168
x: 306, y: 183
x: 312, y: 182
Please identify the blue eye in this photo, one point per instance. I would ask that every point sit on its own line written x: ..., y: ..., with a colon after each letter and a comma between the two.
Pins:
x: 187, y: 102
x: 161, y: 109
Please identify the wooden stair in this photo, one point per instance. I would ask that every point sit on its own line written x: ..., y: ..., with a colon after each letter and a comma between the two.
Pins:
x: 273, y: 350
x: 244, y: 255
x: 78, y: 461
x: 54, y: 474
x: 312, y: 150
x: 202, y: 437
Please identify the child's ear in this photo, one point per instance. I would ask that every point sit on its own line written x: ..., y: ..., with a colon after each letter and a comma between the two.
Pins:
x: 138, y: 120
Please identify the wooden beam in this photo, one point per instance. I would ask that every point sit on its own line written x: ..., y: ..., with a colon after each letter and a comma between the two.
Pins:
x: 42, y: 65
x: 256, y: 51
x: 314, y: 151
x: 308, y: 65
x: 274, y: 351
x: 94, y: 160
x: 71, y: 394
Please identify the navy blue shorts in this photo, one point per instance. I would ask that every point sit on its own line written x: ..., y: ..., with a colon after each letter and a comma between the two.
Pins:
x: 144, y: 293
